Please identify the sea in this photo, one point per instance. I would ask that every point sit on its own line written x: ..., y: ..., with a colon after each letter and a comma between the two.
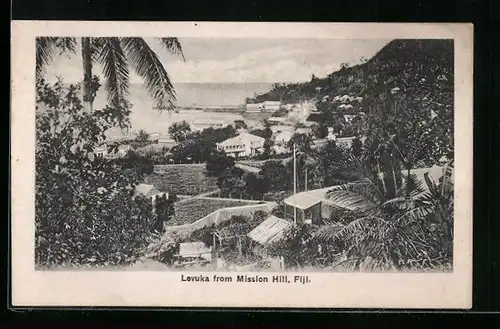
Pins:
x: 144, y: 116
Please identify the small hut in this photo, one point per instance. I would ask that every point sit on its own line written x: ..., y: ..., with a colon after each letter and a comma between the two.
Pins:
x: 269, y: 231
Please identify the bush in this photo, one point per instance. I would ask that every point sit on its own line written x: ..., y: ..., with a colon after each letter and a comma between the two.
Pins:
x: 85, y: 211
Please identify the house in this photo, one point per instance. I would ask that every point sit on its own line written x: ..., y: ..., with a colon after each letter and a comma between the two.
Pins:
x: 101, y: 151
x: 331, y: 135
x: 277, y: 120
x: 310, y: 124
x: 271, y: 106
x: 309, y: 207
x: 283, y: 137
x: 282, y: 128
x: 346, y: 142
x: 167, y: 142
x: 199, y: 125
x: 150, y: 191
x: 258, y: 107
x: 268, y: 232
x: 436, y: 173
x: 277, y: 149
x: 303, y: 131
x: 244, y: 144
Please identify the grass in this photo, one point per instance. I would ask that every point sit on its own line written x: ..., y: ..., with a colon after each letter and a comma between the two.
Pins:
x: 190, y: 211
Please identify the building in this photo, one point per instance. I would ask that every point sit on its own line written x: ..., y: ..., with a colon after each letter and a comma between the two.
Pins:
x: 150, y: 191
x: 309, y: 207
x: 277, y: 149
x: 167, y: 142
x: 258, y: 107
x: 199, y: 125
x: 345, y: 142
x: 243, y: 145
x: 282, y: 128
x: 283, y: 137
x: 303, y: 131
x: 270, y: 231
x: 277, y: 120
x: 271, y: 106
x: 101, y: 151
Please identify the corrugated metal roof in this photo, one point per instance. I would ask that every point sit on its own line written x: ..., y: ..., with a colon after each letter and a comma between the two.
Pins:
x: 303, y: 200
x: 269, y: 231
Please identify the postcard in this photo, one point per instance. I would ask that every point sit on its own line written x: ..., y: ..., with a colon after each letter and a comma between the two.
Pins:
x: 253, y: 165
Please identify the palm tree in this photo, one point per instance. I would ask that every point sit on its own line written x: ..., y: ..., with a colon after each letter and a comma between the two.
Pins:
x: 394, y: 228
x: 117, y: 55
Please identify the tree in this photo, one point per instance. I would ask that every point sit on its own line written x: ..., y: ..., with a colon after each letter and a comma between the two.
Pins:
x: 320, y: 131
x: 164, y: 211
x: 302, y: 143
x: 391, y: 229
x: 179, y: 131
x: 142, y: 137
x: 356, y: 147
x: 275, y: 175
x: 117, y: 55
x: 218, y: 162
x: 85, y: 211
x: 240, y: 124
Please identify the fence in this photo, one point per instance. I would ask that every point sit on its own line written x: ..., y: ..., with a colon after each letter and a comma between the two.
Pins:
x: 220, y: 216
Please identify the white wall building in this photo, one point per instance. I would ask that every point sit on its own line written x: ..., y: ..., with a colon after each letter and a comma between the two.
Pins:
x: 254, y: 107
x: 199, y: 125
x: 283, y: 137
x: 271, y: 106
x: 244, y: 144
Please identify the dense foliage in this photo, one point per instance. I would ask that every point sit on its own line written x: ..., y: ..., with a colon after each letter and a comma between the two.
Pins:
x: 85, y: 210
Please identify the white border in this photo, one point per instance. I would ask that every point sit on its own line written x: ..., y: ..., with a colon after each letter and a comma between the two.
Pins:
x: 156, y: 289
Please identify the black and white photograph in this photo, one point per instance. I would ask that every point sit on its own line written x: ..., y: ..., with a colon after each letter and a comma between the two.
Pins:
x: 265, y: 156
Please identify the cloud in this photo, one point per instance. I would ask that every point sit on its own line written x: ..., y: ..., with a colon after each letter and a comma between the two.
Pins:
x: 247, y: 61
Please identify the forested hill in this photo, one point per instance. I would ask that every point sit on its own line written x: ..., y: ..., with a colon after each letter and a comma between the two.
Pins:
x: 423, y: 68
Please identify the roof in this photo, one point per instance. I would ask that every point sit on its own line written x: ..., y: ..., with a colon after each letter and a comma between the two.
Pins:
x: 269, y: 231
x: 243, y: 138
x: 303, y: 200
x: 146, y: 189
x: 195, y: 249
x: 303, y: 130
x: 435, y: 174
x: 277, y: 119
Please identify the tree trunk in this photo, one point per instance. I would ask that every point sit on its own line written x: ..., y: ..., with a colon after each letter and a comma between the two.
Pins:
x: 408, y: 187
x: 88, y: 97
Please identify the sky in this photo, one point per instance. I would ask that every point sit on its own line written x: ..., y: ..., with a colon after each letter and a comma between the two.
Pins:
x: 244, y: 60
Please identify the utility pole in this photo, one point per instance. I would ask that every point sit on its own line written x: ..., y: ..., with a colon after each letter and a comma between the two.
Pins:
x: 305, y: 185
x: 294, y: 183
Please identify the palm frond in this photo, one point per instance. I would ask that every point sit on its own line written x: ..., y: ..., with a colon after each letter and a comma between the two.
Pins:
x: 415, y: 186
x: 328, y: 232
x: 358, y: 226
x: 46, y: 48
x: 173, y: 46
x: 147, y: 64
x: 360, y: 196
x: 110, y: 54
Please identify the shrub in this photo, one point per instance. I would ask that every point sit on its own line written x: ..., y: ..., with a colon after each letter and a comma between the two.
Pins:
x: 85, y: 211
